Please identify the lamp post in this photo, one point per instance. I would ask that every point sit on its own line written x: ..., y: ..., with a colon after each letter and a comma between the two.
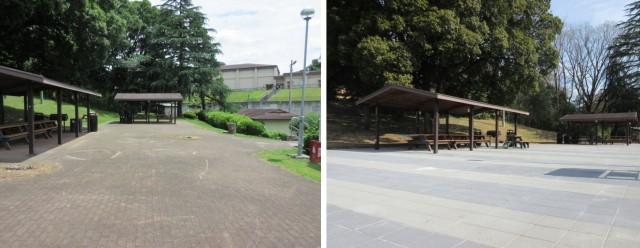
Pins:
x: 306, y: 15
x: 293, y: 62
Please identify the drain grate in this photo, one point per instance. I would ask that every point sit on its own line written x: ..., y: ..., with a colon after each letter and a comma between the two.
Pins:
x: 188, y: 137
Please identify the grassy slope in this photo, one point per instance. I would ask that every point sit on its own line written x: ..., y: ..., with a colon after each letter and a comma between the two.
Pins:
x: 14, y: 106
x: 345, y: 128
x: 252, y: 95
x: 300, y: 167
x: 296, y: 166
x: 310, y: 94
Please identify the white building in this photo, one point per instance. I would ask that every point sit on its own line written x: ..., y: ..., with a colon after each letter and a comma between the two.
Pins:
x: 249, y: 76
x: 313, y: 80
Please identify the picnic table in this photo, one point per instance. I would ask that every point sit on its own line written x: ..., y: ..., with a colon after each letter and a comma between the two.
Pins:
x: 514, y: 140
x: 450, y: 140
x: 10, y: 132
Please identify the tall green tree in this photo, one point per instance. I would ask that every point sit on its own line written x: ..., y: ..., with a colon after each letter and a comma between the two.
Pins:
x: 623, y: 88
x: 485, y: 50
x: 189, y: 65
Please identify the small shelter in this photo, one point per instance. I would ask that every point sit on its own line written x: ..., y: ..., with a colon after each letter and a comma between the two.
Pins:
x: 21, y: 83
x: 405, y: 98
x: 626, y: 118
x: 173, y: 99
x: 273, y: 119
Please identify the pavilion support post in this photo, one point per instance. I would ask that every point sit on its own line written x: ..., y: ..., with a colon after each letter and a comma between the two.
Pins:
x: 88, y: 113
x: 627, y: 133
x: 417, y: 121
x: 602, y: 132
x: 446, y: 126
x: 515, y: 124
x: 148, y: 111
x: 436, y: 125
x: 26, y: 107
x: 377, y: 146
x: 77, y: 131
x: 497, y: 129
x: 471, y: 136
x: 1, y: 109
x: 595, y: 136
x: 31, y: 138
x: 59, y: 109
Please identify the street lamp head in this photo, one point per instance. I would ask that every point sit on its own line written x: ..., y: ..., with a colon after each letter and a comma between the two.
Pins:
x: 307, y: 13
x: 293, y: 62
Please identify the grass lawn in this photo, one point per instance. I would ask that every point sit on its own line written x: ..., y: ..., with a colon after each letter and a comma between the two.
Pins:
x: 297, y: 166
x: 252, y: 95
x: 14, y: 106
x: 310, y: 94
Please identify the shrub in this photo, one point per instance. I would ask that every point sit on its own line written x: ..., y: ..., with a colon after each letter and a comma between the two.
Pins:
x: 218, y: 119
x: 190, y: 115
x: 250, y: 127
x: 278, y: 135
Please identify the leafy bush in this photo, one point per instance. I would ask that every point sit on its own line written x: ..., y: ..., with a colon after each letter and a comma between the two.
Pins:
x: 190, y: 115
x: 218, y: 119
x: 278, y: 135
x: 249, y: 127
x: 311, y: 130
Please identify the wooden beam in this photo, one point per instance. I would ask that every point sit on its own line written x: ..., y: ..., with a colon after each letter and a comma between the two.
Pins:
x: 497, y: 129
x: 59, y: 109
x: 32, y: 136
x: 446, y: 126
x: 515, y: 124
x: 1, y: 109
x: 436, y: 125
x: 417, y: 121
x: 77, y: 131
x: 377, y: 146
x: 471, y: 136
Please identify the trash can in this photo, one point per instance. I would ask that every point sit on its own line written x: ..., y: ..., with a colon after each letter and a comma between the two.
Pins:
x: 92, y: 122
x: 231, y: 127
x: 73, y: 125
x: 314, y: 151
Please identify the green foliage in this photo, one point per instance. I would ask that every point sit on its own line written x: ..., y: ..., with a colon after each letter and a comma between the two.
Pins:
x: 244, y: 124
x: 302, y: 167
x: 278, y: 135
x: 471, y: 49
x: 190, y: 115
x: 310, y: 94
x: 316, y: 65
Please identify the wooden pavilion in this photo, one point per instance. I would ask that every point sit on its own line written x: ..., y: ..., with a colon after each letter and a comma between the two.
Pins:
x: 21, y: 83
x: 626, y: 118
x: 173, y: 99
x: 404, y: 98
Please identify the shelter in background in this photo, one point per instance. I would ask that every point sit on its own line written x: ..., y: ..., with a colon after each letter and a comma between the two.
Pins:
x: 273, y: 119
x: 404, y: 98
x: 162, y: 99
x: 626, y: 118
x: 21, y: 83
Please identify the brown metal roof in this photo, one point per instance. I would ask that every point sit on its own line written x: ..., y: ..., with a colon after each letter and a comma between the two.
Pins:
x: 143, y: 97
x: 16, y: 82
x: 267, y: 114
x: 602, y: 117
x: 415, y: 99
x: 245, y: 66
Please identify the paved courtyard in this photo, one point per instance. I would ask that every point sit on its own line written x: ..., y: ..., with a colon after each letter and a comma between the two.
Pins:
x: 545, y: 196
x: 160, y: 185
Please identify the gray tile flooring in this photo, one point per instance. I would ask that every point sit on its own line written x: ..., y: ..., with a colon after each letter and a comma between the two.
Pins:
x: 545, y: 196
x: 351, y: 229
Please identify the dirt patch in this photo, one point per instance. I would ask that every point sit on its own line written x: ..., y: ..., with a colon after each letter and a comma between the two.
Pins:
x: 187, y: 137
x: 11, y: 171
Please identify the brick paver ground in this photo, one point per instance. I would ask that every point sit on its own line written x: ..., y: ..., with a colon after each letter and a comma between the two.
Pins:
x: 545, y: 196
x: 160, y: 186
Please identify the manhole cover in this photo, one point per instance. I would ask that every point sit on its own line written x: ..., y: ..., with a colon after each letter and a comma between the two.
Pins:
x: 188, y: 137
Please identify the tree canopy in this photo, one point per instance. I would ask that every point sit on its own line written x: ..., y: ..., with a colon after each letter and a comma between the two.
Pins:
x: 113, y: 45
x: 484, y: 50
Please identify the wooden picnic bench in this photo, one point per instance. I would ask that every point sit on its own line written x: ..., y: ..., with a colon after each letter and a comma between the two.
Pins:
x: 618, y: 139
x: 515, y: 140
x: 423, y: 139
x: 12, y: 132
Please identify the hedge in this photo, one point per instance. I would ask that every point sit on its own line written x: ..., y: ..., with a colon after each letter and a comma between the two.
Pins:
x: 244, y: 124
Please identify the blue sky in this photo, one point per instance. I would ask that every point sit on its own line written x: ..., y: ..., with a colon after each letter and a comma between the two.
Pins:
x: 594, y: 12
x: 263, y: 31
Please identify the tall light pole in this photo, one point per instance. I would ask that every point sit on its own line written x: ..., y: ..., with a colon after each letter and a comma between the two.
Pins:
x: 293, y: 62
x: 306, y: 15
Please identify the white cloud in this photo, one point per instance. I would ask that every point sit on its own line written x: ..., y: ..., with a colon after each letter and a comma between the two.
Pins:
x: 263, y: 32
x: 594, y: 12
